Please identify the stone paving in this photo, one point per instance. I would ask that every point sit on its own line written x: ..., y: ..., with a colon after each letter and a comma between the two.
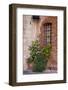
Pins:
x: 44, y: 72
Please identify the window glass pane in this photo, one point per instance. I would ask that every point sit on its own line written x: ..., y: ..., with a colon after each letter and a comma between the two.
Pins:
x: 47, y: 33
x: 48, y: 28
x: 48, y: 39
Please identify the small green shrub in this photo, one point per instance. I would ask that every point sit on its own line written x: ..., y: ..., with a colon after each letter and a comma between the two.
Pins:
x: 47, y: 51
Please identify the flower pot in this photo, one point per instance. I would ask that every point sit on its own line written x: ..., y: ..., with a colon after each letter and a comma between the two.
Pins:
x: 30, y: 66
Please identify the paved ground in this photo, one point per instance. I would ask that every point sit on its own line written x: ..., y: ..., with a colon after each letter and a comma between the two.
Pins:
x: 46, y: 71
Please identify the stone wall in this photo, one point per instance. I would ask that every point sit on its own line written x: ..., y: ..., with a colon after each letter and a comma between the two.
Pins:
x: 50, y: 19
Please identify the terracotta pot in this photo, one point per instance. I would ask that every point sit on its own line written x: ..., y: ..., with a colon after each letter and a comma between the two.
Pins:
x: 30, y: 65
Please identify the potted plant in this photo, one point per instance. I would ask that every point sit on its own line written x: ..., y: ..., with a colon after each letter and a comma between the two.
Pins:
x: 38, y: 56
x: 29, y: 63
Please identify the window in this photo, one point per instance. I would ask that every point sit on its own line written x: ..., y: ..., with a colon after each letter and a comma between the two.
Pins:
x: 47, y: 30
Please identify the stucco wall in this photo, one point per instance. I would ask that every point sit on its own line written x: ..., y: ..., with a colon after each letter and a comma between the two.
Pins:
x: 30, y: 34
